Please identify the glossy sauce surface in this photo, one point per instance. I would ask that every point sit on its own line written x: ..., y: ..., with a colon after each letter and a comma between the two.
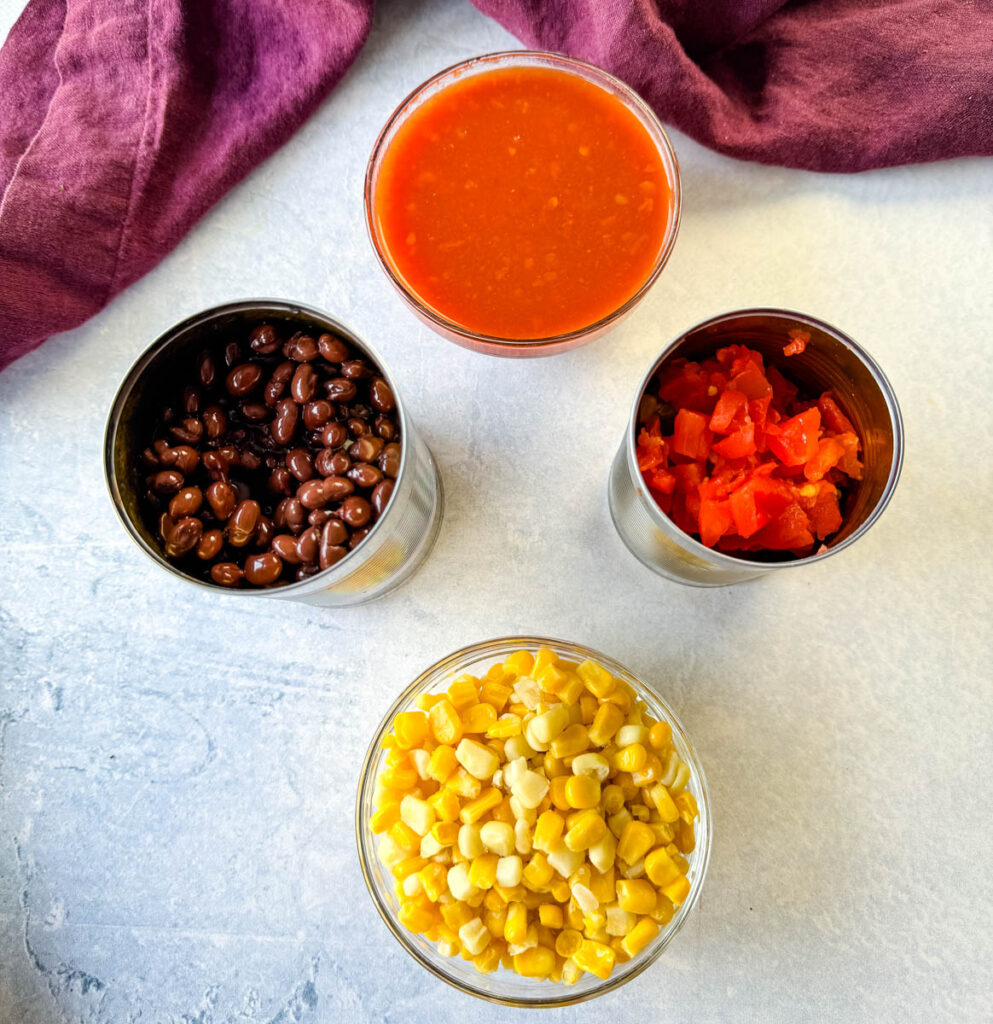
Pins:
x: 522, y: 203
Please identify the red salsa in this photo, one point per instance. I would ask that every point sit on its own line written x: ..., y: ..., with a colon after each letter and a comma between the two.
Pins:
x: 736, y: 456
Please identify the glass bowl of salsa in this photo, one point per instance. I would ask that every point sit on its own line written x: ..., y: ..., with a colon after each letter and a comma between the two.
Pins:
x: 522, y: 203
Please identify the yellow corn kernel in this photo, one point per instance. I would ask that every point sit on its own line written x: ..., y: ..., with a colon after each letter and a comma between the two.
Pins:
x: 516, y: 925
x: 636, y: 896
x: 573, y: 740
x: 477, y: 718
x: 479, y: 761
x: 628, y: 788
x: 588, y: 830
x: 580, y: 876
x: 417, y: 814
x: 417, y: 915
x: 663, y: 912
x: 620, y: 922
x: 546, y: 726
x: 494, y: 693
x: 504, y: 727
x: 636, y: 840
x: 474, y: 936
x: 649, y: 773
x: 602, y: 886
x: 385, y: 818
x: 630, y: 758
x: 463, y: 692
x: 595, y: 958
x: 397, y: 758
x: 510, y: 893
x: 688, y: 810
x: 426, y: 701
x: 529, y: 788
x: 542, y: 660
x: 504, y: 813
x: 550, y: 678
x: 456, y: 914
x: 487, y: 961
x: 408, y: 866
x: 678, y: 890
x: 612, y: 798
x: 405, y: 837
x: 547, y: 830
x: 475, y: 809
x: 550, y: 915
x: 464, y: 784
x: 621, y: 696
x: 538, y: 872
x: 660, y: 735
x: 596, y: 928
x: 520, y: 663
x: 410, y: 729
x: 446, y: 726
x: 639, y: 936
x: 537, y: 962
x: 554, y: 766
x: 557, y: 792
x: 398, y: 777
x: 509, y: 871
x: 498, y: 837
x: 570, y: 690
x: 596, y: 678
x: 588, y: 707
x: 603, y: 853
x: 582, y: 791
x: 639, y: 811
x: 445, y: 833
x: 663, y: 802
x: 434, y: 881
x: 685, y: 837
x: 446, y: 804
x: 482, y: 871
x: 568, y: 942
x: 442, y: 762
x: 492, y: 900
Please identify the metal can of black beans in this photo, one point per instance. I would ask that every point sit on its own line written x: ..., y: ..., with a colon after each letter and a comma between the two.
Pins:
x: 396, y: 544
x: 830, y: 361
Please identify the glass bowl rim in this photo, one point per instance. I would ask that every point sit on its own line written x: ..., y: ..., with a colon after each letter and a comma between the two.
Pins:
x: 571, y: 65
x: 559, y: 995
x: 723, y: 559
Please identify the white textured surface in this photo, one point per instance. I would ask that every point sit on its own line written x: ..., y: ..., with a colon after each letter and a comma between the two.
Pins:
x: 177, y: 771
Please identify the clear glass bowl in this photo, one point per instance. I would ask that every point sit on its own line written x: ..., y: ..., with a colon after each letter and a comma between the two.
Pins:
x: 522, y: 58
x: 504, y: 986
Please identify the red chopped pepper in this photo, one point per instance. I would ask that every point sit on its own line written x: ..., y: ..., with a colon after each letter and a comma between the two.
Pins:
x: 798, y: 342
x: 750, y: 465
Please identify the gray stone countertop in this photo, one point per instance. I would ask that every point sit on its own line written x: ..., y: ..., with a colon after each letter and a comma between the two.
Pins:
x: 178, y: 770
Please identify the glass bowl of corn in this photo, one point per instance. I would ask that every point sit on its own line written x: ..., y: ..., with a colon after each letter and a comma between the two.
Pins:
x: 533, y: 823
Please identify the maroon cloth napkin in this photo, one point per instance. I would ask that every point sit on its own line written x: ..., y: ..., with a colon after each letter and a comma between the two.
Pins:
x: 123, y: 121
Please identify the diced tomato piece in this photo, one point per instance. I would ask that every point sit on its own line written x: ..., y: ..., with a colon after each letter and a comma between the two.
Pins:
x: 738, y: 445
x: 729, y: 405
x: 715, y: 520
x: 832, y: 416
x: 652, y: 451
x: 795, y: 442
x: 751, y: 381
x: 849, y: 462
x: 789, y: 531
x: 829, y: 451
x: 688, y: 476
x: 784, y: 392
x: 684, y: 386
x: 734, y: 357
x: 691, y: 436
x: 661, y: 480
x: 798, y: 342
x: 756, y: 502
x: 820, y: 502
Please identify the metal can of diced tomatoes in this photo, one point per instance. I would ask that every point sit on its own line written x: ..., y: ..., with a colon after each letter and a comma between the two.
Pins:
x: 830, y: 361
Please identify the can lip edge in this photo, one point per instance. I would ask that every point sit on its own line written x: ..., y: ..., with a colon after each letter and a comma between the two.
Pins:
x: 325, y: 578
x: 725, y: 561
